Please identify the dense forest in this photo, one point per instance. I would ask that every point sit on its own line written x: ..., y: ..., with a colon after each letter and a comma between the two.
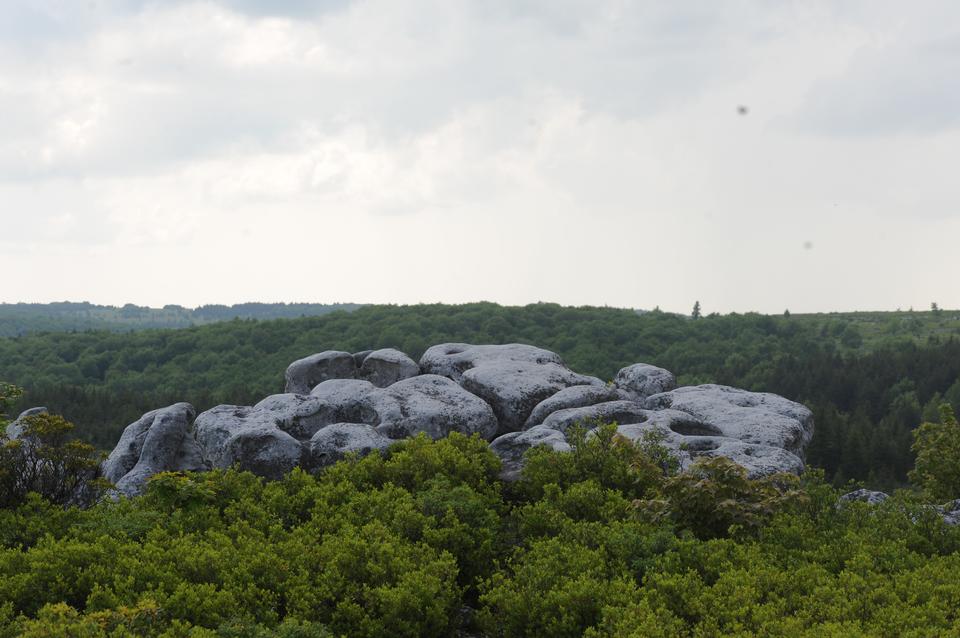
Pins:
x: 870, y: 378
x: 21, y: 318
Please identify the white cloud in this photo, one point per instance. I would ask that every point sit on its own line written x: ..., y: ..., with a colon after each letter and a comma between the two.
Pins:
x: 200, y: 152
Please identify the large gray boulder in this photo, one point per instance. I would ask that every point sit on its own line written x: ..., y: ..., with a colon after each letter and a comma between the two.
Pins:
x: 248, y: 438
x: 511, y: 447
x: 303, y: 374
x: 758, y: 418
x: 333, y: 442
x: 385, y: 367
x: 15, y: 428
x: 347, y: 401
x: 577, y: 396
x: 433, y: 405
x: 263, y: 449
x: 513, y: 389
x: 160, y: 441
x: 642, y: 380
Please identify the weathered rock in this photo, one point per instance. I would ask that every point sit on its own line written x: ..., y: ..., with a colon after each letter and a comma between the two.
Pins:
x: 511, y: 447
x: 752, y: 417
x: 577, y: 396
x: 213, y: 429
x: 642, y: 380
x: 758, y: 460
x: 387, y: 366
x: 337, y: 402
x: 512, y: 378
x: 453, y: 359
x: 250, y: 438
x: 951, y: 512
x: 15, y: 428
x: 298, y: 415
x: 513, y: 389
x: 262, y: 448
x: 331, y: 443
x: 434, y: 405
x: 347, y: 401
x: 303, y: 374
x: 358, y: 357
x: 591, y: 416
x: 871, y: 497
x: 160, y: 441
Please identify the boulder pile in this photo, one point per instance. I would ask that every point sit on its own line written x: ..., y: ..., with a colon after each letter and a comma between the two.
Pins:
x: 514, y: 396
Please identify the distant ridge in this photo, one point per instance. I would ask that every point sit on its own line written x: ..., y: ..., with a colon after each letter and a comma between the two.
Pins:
x: 67, y: 316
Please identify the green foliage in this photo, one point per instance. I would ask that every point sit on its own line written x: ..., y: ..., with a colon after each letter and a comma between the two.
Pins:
x: 715, y: 498
x: 937, y: 446
x: 43, y: 459
x: 419, y: 542
x: 601, y: 455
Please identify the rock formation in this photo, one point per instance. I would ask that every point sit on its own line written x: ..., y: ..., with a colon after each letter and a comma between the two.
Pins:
x: 515, y: 396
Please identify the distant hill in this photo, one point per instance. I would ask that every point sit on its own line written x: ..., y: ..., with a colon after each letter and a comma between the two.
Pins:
x: 67, y: 316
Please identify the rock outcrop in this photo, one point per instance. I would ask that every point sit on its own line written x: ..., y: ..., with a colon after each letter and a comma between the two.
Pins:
x: 159, y: 441
x: 15, y: 428
x: 515, y: 396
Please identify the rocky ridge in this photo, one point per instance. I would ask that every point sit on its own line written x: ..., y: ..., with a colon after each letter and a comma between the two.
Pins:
x: 514, y: 396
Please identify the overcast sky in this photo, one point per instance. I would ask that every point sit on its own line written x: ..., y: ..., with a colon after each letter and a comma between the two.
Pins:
x: 513, y: 151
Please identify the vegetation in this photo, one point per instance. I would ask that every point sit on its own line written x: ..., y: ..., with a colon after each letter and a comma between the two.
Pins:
x: 937, y: 446
x: 870, y: 378
x: 22, y: 318
x: 426, y: 541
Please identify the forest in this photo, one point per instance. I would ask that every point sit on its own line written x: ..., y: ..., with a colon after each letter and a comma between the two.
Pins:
x: 870, y: 378
x: 21, y: 318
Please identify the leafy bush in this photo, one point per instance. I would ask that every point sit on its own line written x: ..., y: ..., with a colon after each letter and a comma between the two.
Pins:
x: 601, y: 455
x: 44, y: 460
x: 715, y: 498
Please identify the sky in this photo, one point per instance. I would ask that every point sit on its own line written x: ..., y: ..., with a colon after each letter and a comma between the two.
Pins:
x: 753, y: 156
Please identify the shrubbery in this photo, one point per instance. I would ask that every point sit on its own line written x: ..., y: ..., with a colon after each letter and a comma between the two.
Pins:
x: 425, y: 541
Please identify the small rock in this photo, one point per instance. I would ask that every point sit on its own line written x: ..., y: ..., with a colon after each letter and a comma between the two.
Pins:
x: 385, y: 367
x: 333, y: 442
x: 871, y: 497
x: 642, y: 380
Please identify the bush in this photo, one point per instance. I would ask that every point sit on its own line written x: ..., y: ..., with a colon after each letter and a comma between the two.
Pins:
x: 601, y: 455
x: 715, y: 498
x: 937, y: 446
x: 44, y: 460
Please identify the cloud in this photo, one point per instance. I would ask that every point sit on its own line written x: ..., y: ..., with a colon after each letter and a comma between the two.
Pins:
x: 196, y: 152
